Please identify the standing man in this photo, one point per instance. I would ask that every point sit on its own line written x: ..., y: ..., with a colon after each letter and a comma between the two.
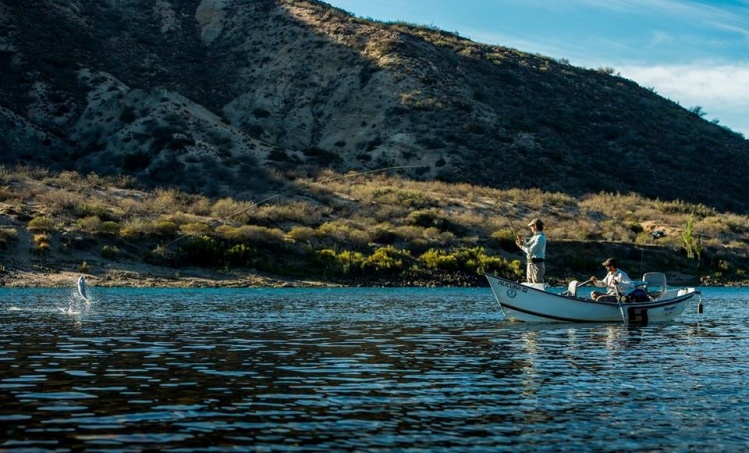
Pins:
x: 535, y: 251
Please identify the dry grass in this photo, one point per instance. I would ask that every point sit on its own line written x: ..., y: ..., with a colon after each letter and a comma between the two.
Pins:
x: 229, y: 209
x: 351, y: 212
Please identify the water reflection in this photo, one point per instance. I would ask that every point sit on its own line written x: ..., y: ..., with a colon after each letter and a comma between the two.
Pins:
x: 360, y: 370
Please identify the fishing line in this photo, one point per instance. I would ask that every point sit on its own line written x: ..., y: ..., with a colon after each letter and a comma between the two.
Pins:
x: 293, y: 189
x: 496, y: 202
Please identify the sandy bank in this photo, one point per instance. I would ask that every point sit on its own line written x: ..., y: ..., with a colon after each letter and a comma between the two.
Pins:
x: 148, y: 278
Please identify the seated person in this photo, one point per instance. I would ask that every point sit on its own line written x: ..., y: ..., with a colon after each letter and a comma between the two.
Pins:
x: 616, y: 282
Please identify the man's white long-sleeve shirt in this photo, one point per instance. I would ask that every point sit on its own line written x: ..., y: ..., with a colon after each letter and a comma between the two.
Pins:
x: 623, y: 283
x: 535, y: 246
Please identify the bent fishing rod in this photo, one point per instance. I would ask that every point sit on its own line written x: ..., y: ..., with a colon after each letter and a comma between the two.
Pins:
x: 293, y: 189
x: 494, y: 199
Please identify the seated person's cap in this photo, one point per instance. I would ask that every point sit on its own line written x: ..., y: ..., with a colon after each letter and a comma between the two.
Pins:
x: 610, y: 262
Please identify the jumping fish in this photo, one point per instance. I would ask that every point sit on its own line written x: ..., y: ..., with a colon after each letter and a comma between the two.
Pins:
x: 82, y: 287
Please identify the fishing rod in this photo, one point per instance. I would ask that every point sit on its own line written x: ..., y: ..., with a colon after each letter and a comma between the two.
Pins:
x: 293, y: 189
x: 496, y: 202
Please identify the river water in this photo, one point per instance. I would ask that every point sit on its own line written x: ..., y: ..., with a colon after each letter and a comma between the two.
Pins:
x: 361, y: 370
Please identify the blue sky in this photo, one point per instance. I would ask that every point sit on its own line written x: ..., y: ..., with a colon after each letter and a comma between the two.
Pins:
x: 694, y: 52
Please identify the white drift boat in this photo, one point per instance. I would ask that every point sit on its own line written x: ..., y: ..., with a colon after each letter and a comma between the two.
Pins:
x: 533, y: 303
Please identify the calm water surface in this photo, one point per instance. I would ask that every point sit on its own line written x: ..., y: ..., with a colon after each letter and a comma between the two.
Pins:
x: 361, y: 370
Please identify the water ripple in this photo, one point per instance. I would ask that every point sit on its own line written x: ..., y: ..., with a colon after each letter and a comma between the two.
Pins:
x: 363, y: 369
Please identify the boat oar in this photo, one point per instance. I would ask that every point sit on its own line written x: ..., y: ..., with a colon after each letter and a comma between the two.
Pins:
x: 619, y: 303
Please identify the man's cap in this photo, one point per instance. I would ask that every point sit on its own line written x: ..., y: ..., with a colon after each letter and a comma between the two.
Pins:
x: 610, y: 262
x: 536, y: 221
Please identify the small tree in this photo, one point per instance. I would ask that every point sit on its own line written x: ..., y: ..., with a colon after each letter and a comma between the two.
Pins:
x: 692, y: 245
x: 697, y: 110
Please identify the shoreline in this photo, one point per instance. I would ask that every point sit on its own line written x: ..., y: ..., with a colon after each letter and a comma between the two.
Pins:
x: 152, y: 277
x: 122, y: 278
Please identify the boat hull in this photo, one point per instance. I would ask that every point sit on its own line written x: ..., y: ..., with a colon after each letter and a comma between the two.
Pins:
x: 528, y: 304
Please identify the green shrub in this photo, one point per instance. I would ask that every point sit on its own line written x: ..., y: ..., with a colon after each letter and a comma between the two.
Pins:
x: 302, y: 233
x: 41, y: 245
x: 350, y: 262
x: 110, y: 227
x: 436, y: 237
x: 495, y: 265
x: 228, y: 232
x: 91, y: 224
x: 345, y: 263
x: 42, y: 224
x: 475, y: 260
x: 92, y: 209
x: 426, y: 218
x: 7, y: 235
x: 228, y: 208
x: 110, y: 252
x: 167, y: 201
x: 240, y: 255
x: 439, y: 260
x: 409, y: 233
x: 195, y: 229
x: 7, y: 194
x: 388, y: 260
x: 383, y: 234
x: 516, y: 269
x: 136, y: 228
x: 263, y: 235
x: 681, y: 207
x: 506, y: 238
x: 406, y: 198
x: 202, y: 251
x: 144, y: 227
x: 292, y: 211
x: 253, y: 234
x: 327, y: 262
x: 165, y: 228
x: 344, y: 232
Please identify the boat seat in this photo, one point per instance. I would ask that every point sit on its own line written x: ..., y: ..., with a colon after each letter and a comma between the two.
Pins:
x: 571, y: 289
x: 656, y: 283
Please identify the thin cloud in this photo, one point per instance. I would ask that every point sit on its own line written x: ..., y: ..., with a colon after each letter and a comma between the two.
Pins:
x: 715, y: 88
x: 731, y: 19
x: 727, y: 84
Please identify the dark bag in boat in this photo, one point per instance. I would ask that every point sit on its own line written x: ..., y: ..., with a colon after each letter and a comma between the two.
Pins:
x: 638, y: 295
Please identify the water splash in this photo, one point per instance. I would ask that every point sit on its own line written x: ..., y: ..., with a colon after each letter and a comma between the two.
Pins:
x: 79, y: 302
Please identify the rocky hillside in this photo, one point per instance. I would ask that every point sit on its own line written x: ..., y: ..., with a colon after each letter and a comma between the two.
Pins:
x: 233, y: 97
